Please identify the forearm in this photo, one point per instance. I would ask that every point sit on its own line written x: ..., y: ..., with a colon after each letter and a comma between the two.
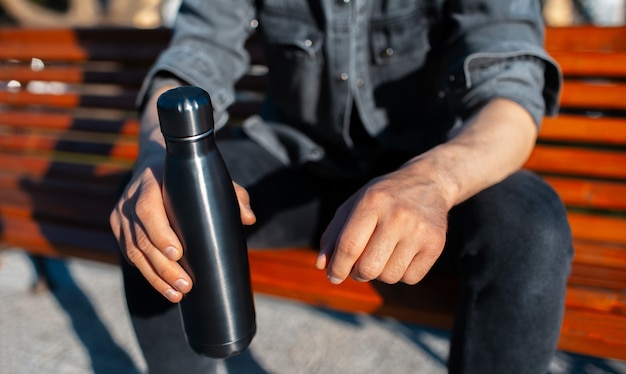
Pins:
x: 493, y: 144
x: 151, y: 142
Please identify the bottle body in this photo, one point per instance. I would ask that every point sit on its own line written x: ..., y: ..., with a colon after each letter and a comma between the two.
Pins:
x: 218, y: 313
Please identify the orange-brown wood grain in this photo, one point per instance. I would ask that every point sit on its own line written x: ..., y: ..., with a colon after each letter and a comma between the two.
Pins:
x: 591, y: 64
x: 600, y: 254
x: 598, y: 334
x: 596, y: 299
x: 29, y: 120
x: 125, y: 149
x: 590, y: 193
x: 578, y: 161
x: 596, y: 94
x: 597, y: 227
x: 584, y: 129
x: 586, y: 38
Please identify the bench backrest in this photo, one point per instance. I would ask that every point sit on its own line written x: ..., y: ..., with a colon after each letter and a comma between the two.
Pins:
x: 582, y: 152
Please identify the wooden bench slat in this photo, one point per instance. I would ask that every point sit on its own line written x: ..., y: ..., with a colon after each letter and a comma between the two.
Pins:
x: 600, y: 254
x: 87, y: 35
x: 591, y: 64
x: 596, y: 300
x: 588, y: 193
x: 67, y: 121
x: 124, y: 100
x: 125, y: 149
x: 596, y: 227
x: 60, y: 52
x: 273, y: 272
x: 584, y: 129
x: 586, y: 38
x: 53, y: 239
x: 37, y: 204
x: 577, y: 161
x: 58, y: 165
x: 600, y: 95
x: 594, y: 276
x: 94, y: 189
x: 128, y: 77
x: 597, y: 334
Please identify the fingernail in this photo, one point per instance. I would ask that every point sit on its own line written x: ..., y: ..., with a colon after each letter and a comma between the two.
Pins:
x: 320, y: 261
x: 250, y: 211
x: 171, y: 253
x: 171, y: 295
x: 181, y: 285
x: 334, y: 280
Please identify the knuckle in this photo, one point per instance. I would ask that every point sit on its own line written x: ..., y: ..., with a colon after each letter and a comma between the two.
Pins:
x: 390, y: 277
x: 367, y: 272
x: 166, y: 273
x: 133, y: 256
x: 114, y: 218
x: 411, y: 278
x: 348, y: 247
x: 143, y: 208
x: 376, y: 195
x: 143, y: 243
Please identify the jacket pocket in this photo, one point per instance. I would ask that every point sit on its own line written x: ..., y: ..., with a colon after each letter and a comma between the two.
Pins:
x: 400, y: 37
x: 294, y: 56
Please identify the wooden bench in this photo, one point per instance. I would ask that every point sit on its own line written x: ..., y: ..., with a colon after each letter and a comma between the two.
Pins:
x: 68, y: 133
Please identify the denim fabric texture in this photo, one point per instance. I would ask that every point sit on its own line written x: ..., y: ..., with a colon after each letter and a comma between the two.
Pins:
x: 409, y: 70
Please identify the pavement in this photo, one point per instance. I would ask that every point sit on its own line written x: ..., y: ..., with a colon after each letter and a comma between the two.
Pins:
x: 81, y: 327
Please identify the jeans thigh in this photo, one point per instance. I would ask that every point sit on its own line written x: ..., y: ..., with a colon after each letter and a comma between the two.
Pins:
x: 282, y: 197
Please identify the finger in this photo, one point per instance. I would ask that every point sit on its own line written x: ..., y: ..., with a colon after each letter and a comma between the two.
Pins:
x: 327, y: 242
x: 398, y: 263
x: 146, y: 268
x: 423, y: 262
x: 149, y: 260
x: 329, y: 237
x: 376, y: 256
x: 350, y: 244
x: 142, y: 229
x: 243, y: 198
x: 150, y: 212
x: 162, y: 273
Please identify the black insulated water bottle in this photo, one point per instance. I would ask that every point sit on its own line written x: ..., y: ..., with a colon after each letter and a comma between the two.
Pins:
x: 218, y: 313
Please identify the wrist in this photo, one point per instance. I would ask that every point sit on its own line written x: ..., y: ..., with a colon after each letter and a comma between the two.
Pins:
x: 431, y: 169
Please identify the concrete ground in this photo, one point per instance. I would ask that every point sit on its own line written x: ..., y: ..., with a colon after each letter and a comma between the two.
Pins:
x: 82, y: 327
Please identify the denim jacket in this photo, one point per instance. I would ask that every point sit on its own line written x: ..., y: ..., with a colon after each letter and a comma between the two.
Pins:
x: 409, y: 69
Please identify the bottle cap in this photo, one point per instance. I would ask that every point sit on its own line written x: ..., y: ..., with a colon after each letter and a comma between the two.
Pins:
x: 185, y: 112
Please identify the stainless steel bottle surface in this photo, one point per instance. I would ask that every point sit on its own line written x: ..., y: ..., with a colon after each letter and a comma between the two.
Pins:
x: 218, y: 313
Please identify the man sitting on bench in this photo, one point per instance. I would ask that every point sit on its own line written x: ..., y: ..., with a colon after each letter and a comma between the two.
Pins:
x: 392, y: 137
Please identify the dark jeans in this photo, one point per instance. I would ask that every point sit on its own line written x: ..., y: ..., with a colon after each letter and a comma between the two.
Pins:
x: 511, y: 244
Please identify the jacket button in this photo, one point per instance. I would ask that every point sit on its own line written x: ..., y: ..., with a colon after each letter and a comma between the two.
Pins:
x: 343, y: 76
x: 388, y: 52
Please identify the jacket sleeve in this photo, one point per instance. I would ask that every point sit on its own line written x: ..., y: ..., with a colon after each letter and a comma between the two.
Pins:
x: 495, y: 49
x: 207, y: 50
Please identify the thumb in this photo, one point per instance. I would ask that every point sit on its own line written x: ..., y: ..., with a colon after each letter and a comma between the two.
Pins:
x: 243, y: 198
